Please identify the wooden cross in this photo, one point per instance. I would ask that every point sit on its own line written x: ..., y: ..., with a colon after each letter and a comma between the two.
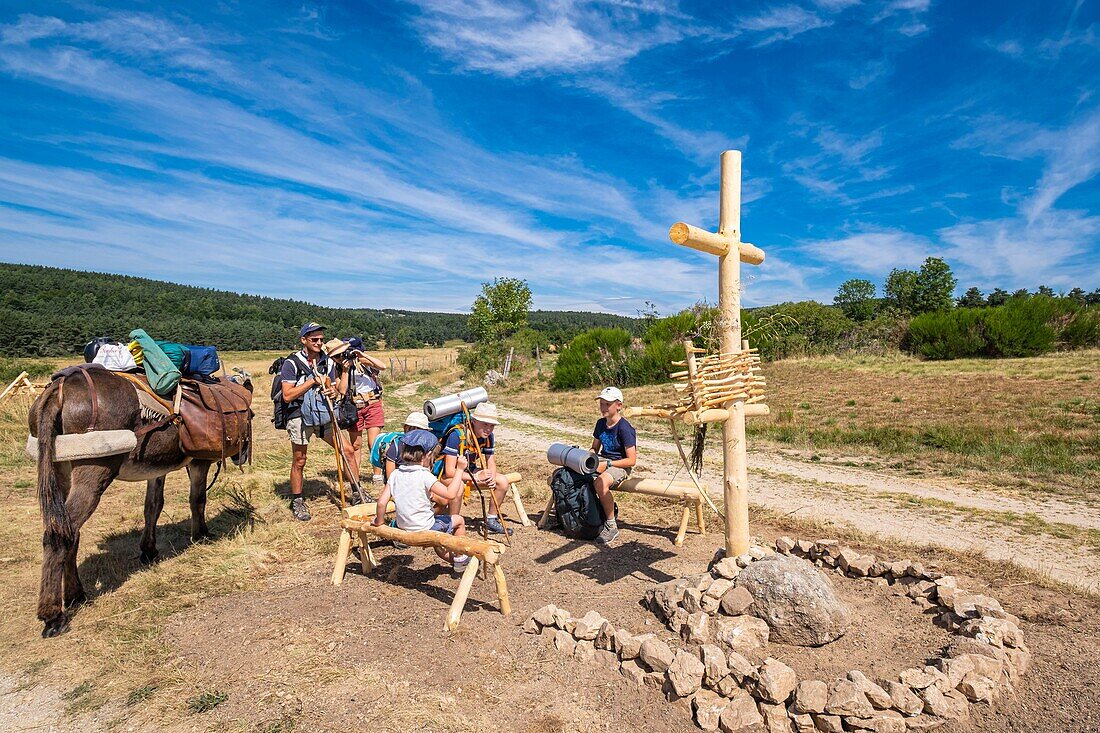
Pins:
x: 726, y: 244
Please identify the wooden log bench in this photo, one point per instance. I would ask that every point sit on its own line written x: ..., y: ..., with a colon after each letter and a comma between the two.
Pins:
x: 357, y: 522
x: 684, y: 491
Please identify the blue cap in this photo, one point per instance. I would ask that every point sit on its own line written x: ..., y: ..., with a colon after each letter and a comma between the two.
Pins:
x: 421, y: 439
x: 310, y: 328
x: 355, y: 342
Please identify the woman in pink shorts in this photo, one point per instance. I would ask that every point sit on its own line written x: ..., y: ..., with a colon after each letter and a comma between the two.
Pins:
x: 368, y: 398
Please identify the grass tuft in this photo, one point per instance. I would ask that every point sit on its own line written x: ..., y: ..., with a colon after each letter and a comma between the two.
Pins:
x: 206, y: 701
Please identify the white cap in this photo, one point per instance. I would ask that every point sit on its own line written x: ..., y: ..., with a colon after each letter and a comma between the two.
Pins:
x: 611, y: 394
x: 486, y: 412
x: 417, y: 420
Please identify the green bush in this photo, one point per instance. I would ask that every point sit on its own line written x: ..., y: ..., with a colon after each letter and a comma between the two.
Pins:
x: 1022, y: 326
x: 790, y: 330
x: 1082, y: 329
x: 953, y: 334
x: 597, y: 356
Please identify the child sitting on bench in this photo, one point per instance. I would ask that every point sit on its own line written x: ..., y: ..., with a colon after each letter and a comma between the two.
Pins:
x: 418, y: 495
x: 616, y: 442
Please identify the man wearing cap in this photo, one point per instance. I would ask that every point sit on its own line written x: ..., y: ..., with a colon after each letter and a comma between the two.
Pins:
x: 615, y: 441
x: 308, y: 377
x: 479, y: 450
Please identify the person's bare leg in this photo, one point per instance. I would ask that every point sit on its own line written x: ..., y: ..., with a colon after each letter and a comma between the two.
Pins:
x: 355, y: 442
x: 297, y: 468
x: 602, y: 485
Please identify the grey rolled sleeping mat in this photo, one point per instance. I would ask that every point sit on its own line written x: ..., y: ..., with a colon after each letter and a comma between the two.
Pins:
x: 96, y: 444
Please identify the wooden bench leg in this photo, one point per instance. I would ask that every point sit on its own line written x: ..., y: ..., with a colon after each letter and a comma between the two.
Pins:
x: 541, y: 523
x: 682, y: 532
x: 341, y: 557
x: 523, y: 520
x: 699, y: 519
x: 367, y: 554
x: 463, y: 592
x: 502, y: 589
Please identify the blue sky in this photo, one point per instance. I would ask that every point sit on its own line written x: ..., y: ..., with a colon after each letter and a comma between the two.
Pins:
x: 398, y: 154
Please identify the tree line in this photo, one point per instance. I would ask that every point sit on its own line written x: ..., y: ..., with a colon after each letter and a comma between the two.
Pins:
x: 47, y: 311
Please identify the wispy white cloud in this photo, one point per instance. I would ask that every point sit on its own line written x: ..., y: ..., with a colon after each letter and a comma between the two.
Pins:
x: 872, y: 251
x: 782, y: 23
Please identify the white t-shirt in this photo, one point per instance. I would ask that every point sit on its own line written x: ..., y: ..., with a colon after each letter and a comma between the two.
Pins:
x: 410, y: 488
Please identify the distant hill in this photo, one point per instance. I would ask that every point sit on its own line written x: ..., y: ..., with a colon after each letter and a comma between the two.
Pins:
x: 47, y: 311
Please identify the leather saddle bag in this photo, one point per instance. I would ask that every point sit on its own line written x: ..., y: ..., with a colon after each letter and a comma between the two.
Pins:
x: 216, y: 419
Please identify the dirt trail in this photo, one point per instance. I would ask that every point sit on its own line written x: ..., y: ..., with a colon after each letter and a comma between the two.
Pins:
x: 961, y: 517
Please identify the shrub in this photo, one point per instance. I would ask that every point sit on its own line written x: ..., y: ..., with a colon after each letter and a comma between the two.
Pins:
x: 954, y: 334
x: 597, y: 356
x: 1082, y: 329
x: 1022, y: 326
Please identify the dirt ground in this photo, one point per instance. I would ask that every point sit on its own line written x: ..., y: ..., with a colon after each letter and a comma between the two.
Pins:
x: 246, y: 632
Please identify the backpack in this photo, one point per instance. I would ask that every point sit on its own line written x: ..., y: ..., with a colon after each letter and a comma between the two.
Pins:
x: 177, y: 353
x: 381, y: 445
x: 162, y: 373
x: 91, y: 349
x: 115, y: 357
x: 282, y: 411
x: 578, y: 508
x: 202, y: 360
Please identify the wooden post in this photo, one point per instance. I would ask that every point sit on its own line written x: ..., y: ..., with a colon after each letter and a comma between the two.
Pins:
x: 341, y: 557
x: 463, y: 592
x: 502, y: 590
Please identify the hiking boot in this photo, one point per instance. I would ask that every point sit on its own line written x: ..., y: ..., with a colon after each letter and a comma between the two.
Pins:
x: 362, y: 495
x: 298, y: 509
x: 608, y: 533
x: 494, y: 525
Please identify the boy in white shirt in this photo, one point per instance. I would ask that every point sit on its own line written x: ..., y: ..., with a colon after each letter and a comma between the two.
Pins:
x: 418, y: 495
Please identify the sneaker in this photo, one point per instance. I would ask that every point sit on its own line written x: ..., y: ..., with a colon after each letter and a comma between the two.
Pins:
x: 354, y: 498
x: 495, y: 526
x: 609, y: 533
x: 298, y: 509
x: 363, y: 496
x: 397, y: 545
x: 460, y: 562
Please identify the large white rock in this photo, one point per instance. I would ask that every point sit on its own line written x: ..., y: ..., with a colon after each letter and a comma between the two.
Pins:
x: 796, y: 600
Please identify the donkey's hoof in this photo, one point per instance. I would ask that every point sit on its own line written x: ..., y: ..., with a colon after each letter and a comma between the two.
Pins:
x: 78, y: 600
x: 148, y: 557
x: 55, y: 627
x: 201, y: 537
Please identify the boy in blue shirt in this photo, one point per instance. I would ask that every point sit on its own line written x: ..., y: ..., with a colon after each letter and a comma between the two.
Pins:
x: 615, y: 441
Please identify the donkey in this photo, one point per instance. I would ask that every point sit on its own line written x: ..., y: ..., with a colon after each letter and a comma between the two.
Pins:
x: 69, y: 491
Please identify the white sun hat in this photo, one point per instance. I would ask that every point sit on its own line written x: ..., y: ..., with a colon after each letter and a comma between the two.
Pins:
x: 611, y: 394
x: 486, y: 412
x: 417, y: 419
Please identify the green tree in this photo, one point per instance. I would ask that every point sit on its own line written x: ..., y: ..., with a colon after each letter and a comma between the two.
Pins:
x: 1077, y: 294
x: 1045, y: 290
x: 500, y: 310
x: 973, y: 298
x: 1093, y: 298
x: 856, y: 298
x: 997, y: 297
x: 1021, y: 293
x: 935, y: 284
x: 900, y: 290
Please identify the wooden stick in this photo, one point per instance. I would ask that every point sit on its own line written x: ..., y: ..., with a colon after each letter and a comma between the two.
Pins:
x: 524, y: 520
x: 502, y: 589
x: 659, y: 488
x: 454, y: 615
x: 687, y: 465
x: 681, y: 533
x: 14, y: 382
x: 699, y: 520
x: 487, y: 550
x: 541, y: 523
x: 706, y: 416
x: 342, y: 551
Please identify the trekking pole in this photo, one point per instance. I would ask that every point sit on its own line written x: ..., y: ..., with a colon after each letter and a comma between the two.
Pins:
x: 337, y: 441
x: 481, y: 465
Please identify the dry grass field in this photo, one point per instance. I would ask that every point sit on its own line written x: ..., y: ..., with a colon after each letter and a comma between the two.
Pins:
x: 244, y: 632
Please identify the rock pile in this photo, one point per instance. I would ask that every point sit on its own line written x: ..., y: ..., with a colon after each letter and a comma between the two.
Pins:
x: 717, y: 662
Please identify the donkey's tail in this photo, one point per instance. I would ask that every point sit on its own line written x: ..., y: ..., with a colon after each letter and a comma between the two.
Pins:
x: 55, y: 518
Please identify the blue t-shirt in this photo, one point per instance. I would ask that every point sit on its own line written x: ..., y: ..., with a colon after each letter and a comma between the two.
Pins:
x: 450, y: 448
x: 615, y: 440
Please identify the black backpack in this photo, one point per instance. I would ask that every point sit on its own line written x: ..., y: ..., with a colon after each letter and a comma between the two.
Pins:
x: 579, y: 512
x: 282, y: 411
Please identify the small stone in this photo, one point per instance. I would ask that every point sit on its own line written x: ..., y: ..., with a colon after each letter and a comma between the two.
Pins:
x: 605, y: 637
x: 744, y: 560
x: 740, y: 715
x: 740, y: 667
x: 758, y: 552
x: 531, y: 626
x: 545, y: 615
x: 775, y: 681
x: 564, y: 642
x: 879, y: 697
x: 588, y: 626
x: 810, y: 696
x: 956, y: 668
x: 718, y: 588
x: 677, y: 621
x: 776, y: 719
x: 825, y: 548
x: 883, y: 721
x: 715, y: 664
x: 726, y: 686
x: 691, y: 602
x: 934, y: 702
x: 978, y: 688
x: 845, y: 698
x: 727, y: 568
x: 696, y: 629
x: 922, y: 723
x: 606, y: 658
x: 828, y: 723
x: 916, y: 570
x: 736, y: 601
x: 958, y: 708
x: 917, y: 679
x: 784, y: 545
x: 899, y: 569
x: 995, y: 631
x: 1019, y: 658
x: 803, y: 723
x: 742, y: 634
x: 945, y: 593
x: 861, y: 566
x: 622, y: 637
x: 632, y: 671
x: 664, y: 598
x: 922, y: 589
x: 585, y: 652
x: 685, y: 673
x: 656, y: 654
x: 845, y: 556
x: 631, y: 645
x: 902, y: 698
x: 708, y: 707
x: 561, y: 618
x: 656, y: 680
x: 803, y: 547
x: 878, y: 569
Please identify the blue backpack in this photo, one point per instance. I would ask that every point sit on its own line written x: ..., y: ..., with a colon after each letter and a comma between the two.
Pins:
x: 202, y: 360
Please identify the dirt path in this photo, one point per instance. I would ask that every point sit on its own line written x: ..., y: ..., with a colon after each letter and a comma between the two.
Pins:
x: 914, y: 510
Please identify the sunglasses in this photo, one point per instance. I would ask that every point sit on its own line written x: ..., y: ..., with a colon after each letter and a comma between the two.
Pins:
x: 317, y: 339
